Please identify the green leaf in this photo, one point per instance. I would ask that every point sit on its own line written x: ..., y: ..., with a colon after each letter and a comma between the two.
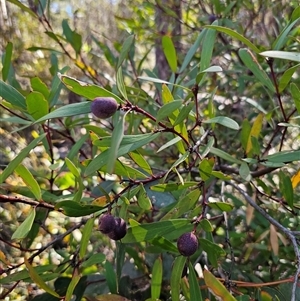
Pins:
x: 206, y: 225
x: 25, y: 227
x: 73, y: 169
x: 38, y: 280
x: 221, y: 206
x: 19, y: 158
x: 286, y: 188
x: 86, y: 234
x: 194, y: 284
x: 190, y: 54
x: 13, y: 96
x: 125, y: 49
x: 68, y: 110
x: 225, y: 121
x: 254, y: 133
x: 170, y: 52
x: 236, y: 35
x: 147, y: 232
x: 167, y: 109
x: 173, y: 186
x: 284, y: 157
x: 23, y: 7
x: 207, y: 48
x: 296, y: 96
x: 120, y: 83
x: 111, y: 277
x: 132, y: 143
x: 184, y: 204
x: 7, y: 60
x: 250, y: 61
x: 71, y: 287
x: 170, y: 143
x: 283, y: 36
x: 176, y: 273
x: 39, y: 86
x: 140, y: 161
x: 214, y: 251
x: 216, y: 287
x: 245, y: 132
x: 184, y: 113
x: 286, y: 77
x: 164, y: 244
x: 220, y: 153
x: 285, y: 55
x: 72, y: 37
x: 37, y: 105
x: 205, y: 169
x: 143, y: 199
x: 86, y: 90
x: 156, y: 279
x: 76, y: 209
x: 24, y: 275
x: 244, y: 172
x: 29, y: 180
x: 116, y: 138
x: 95, y: 259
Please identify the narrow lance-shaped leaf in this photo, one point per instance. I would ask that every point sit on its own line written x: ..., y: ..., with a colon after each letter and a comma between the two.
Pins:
x: 143, y: 199
x: 295, y: 91
x: 86, y: 90
x: 225, y: 121
x: 156, y: 280
x: 102, y: 159
x: 286, y: 188
x: 38, y: 280
x: 285, y: 55
x: 207, y: 48
x: 11, y: 95
x: 25, y: 227
x: 71, y: 287
x: 216, y: 287
x: 250, y: 61
x: 283, y: 36
x: 176, y: 276
x: 19, y: 158
x: 125, y: 49
x: 255, y: 132
x: 235, y: 35
x: 29, y: 180
x: 7, y: 60
x: 117, y: 136
x: 194, y: 284
x: 120, y: 83
x: 86, y: 233
x: 170, y: 52
x: 286, y: 77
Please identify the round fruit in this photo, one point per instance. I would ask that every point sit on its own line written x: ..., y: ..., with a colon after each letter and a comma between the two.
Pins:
x: 119, y: 230
x: 106, y: 223
x: 187, y: 244
x: 104, y: 107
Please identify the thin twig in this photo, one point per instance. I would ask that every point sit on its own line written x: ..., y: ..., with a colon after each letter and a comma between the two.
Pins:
x: 290, y: 234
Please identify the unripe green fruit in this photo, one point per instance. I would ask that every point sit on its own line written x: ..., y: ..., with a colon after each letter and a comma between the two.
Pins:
x: 106, y: 223
x: 104, y: 107
x: 119, y: 230
x: 187, y: 244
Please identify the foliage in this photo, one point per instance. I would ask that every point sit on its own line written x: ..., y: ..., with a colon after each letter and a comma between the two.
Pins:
x: 213, y: 150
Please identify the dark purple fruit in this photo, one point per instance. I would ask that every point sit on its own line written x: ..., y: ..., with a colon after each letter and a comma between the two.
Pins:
x: 106, y: 223
x: 187, y: 244
x: 104, y: 107
x: 119, y: 230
